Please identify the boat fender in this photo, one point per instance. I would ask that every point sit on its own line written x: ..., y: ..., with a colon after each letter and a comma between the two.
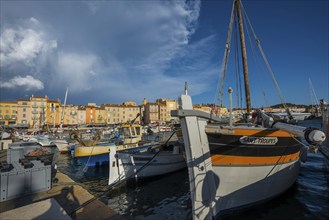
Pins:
x: 307, y: 135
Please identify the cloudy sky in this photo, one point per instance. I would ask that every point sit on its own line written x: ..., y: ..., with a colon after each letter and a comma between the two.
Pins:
x: 115, y: 51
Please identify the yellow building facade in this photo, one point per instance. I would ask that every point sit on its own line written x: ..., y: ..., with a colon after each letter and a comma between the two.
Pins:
x: 8, y: 113
x: 125, y: 113
x: 166, y: 105
x: 53, y: 112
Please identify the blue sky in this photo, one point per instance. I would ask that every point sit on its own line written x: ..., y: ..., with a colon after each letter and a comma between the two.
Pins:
x: 115, y: 51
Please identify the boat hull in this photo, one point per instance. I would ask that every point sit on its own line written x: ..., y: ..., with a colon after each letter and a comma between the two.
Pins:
x: 144, y: 164
x: 242, y: 186
x: 162, y: 164
x: 251, y: 164
x: 95, y: 160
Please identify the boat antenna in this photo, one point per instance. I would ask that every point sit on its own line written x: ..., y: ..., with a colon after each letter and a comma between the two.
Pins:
x: 313, y: 95
x: 185, y: 88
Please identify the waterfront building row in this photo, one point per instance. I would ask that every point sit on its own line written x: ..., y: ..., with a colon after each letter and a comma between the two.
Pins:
x: 38, y: 111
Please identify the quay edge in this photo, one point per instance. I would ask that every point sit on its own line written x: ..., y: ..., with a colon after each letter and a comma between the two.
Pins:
x: 62, y: 200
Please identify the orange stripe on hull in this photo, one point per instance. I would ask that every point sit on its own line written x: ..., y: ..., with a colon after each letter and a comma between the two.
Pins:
x: 246, y: 160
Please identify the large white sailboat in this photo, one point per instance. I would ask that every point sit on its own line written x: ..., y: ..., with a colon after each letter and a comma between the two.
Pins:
x: 235, y: 165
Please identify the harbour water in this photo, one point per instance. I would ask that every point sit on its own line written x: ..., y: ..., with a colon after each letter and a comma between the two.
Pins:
x: 167, y: 197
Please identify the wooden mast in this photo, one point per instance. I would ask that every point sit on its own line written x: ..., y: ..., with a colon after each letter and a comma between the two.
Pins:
x: 244, y: 56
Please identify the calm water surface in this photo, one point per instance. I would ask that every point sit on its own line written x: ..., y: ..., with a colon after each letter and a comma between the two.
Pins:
x: 168, y: 197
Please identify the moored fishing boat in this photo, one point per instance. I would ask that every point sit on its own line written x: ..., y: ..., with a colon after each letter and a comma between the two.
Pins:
x: 142, y: 163
x: 235, y: 165
x: 92, y: 153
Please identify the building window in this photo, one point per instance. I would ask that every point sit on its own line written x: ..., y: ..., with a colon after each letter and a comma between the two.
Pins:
x: 24, y: 109
x: 24, y: 116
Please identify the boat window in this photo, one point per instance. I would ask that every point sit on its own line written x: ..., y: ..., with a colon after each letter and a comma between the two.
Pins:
x: 133, y: 132
x: 138, y: 130
x: 126, y: 132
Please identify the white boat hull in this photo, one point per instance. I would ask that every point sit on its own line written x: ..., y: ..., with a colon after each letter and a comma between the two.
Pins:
x: 126, y: 166
x: 246, y: 185
x: 162, y: 164
x: 296, y: 115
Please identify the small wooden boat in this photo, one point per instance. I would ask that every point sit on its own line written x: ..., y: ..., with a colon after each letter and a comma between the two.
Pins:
x: 153, y: 161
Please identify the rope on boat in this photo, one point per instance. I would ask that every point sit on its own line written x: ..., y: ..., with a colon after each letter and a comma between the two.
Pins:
x: 220, y: 85
x: 265, y: 59
x: 145, y: 165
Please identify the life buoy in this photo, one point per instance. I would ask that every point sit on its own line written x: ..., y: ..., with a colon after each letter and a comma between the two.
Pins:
x: 74, y: 136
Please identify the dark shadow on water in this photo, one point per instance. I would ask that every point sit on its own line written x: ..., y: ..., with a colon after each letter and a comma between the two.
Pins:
x: 151, y: 196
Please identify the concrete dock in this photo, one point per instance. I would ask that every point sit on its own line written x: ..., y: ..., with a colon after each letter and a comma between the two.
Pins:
x: 60, y: 202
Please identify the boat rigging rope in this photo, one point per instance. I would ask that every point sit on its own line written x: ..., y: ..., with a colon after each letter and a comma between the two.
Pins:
x: 254, y: 55
x: 265, y: 59
x: 220, y: 85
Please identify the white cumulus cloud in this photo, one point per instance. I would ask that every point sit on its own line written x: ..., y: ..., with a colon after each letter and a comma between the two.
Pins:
x: 24, y: 43
x: 28, y: 83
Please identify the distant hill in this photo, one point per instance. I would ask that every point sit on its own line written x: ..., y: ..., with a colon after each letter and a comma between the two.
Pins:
x: 290, y: 105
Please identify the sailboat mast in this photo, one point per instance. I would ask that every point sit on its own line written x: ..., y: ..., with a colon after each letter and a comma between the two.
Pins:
x: 63, y: 113
x: 244, y: 56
